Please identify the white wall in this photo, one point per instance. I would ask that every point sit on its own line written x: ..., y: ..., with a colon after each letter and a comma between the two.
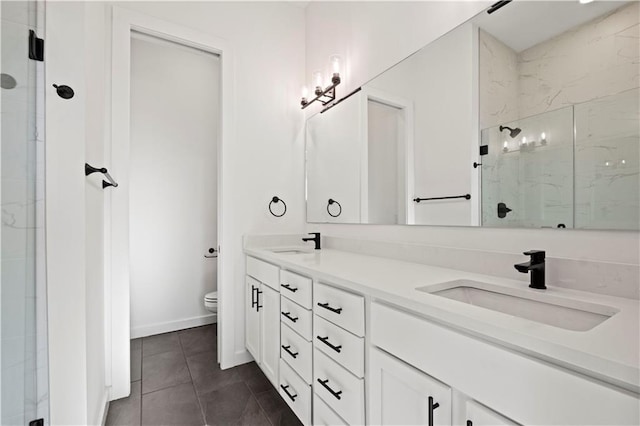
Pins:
x: 175, y: 123
x: 97, y: 393
x: 373, y: 37
x: 436, y: 80
x: 264, y: 158
x: 65, y: 213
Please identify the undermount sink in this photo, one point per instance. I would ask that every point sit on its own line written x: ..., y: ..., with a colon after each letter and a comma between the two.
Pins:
x: 290, y: 251
x: 533, y: 305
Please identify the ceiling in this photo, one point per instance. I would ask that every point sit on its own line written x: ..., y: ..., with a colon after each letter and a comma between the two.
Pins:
x: 522, y: 24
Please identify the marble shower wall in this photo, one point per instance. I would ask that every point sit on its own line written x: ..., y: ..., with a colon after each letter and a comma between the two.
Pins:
x: 607, y: 169
x: 593, y: 73
x: 592, y: 61
x: 23, y: 338
x: 535, y: 178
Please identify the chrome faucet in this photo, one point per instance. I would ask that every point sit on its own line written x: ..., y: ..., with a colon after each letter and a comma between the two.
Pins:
x: 315, y: 239
x: 536, y: 266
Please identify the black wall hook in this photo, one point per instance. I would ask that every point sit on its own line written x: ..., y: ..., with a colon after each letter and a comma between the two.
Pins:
x: 330, y: 203
x: 65, y: 92
x: 276, y: 200
x: 88, y: 169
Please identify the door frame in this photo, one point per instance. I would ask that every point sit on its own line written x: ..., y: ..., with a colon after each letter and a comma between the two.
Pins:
x: 406, y: 142
x: 117, y: 156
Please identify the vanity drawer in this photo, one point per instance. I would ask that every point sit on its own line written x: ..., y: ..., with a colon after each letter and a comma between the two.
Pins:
x: 323, y: 415
x: 264, y: 272
x: 340, y: 307
x: 296, y: 392
x: 296, y: 287
x: 297, y: 352
x: 296, y: 317
x: 341, y: 390
x: 344, y: 347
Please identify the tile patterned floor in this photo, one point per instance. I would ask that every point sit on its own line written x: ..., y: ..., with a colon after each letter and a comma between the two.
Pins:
x: 176, y: 380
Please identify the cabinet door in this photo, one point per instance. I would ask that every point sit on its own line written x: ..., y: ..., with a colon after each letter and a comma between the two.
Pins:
x: 269, y: 303
x: 402, y: 395
x: 479, y: 415
x: 252, y: 319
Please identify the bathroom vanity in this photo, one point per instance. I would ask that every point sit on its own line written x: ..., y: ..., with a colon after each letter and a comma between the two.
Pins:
x: 370, y: 340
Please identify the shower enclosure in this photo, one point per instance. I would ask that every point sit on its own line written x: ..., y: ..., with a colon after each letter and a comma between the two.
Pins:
x: 574, y: 167
x: 23, y: 344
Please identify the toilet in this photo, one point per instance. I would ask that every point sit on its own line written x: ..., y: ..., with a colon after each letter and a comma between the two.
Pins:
x: 211, y: 302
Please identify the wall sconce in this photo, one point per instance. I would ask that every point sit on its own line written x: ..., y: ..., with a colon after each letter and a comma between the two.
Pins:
x: 326, y: 94
x: 525, y: 145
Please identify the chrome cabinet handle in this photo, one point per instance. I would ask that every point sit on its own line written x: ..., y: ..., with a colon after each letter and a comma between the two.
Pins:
x: 325, y: 340
x: 329, y: 308
x: 326, y: 386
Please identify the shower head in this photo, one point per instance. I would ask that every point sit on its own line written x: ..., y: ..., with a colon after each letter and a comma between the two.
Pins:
x: 7, y: 81
x: 512, y: 132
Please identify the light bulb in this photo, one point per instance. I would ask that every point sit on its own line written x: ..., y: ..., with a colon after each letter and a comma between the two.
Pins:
x: 606, y: 163
x: 335, y: 63
x: 505, y: 146
x: 623, y: 162
x: 543, y: 138
x: 524, y: 141
x: 317, y: 79
x: 585, y: 1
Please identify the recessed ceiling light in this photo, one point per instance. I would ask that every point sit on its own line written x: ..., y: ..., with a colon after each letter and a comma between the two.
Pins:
x: 585, y: 1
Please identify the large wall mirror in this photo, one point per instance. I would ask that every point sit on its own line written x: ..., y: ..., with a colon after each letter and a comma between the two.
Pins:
x: 525, y: 117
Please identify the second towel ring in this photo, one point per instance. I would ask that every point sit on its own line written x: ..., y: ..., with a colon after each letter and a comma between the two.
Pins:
x: 332, y: 201
x: 274, y: 200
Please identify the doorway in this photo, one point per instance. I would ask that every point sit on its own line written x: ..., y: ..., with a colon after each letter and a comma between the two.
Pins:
x: 175, y: 110
x: 126, y: 25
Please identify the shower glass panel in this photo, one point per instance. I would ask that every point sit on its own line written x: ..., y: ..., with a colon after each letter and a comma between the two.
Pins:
x: 607, y: 154
x: 23, y: 345
x: 527, y: 180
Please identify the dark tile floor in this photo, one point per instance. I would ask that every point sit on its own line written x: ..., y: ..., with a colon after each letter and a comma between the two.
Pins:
x: 176, y: 380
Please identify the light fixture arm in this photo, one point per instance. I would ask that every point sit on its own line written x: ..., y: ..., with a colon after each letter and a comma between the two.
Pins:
x: 324, y: 96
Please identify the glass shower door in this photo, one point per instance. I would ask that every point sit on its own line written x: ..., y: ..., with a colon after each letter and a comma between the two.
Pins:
x: 23, y: 345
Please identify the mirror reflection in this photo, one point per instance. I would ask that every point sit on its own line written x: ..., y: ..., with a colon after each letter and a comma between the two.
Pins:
x: 526, y: 117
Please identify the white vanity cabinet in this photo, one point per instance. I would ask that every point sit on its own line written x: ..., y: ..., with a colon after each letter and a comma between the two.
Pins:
x: 403, y: 395
x: 296, y: 349
x: 512, y: 385
x: 338, y: 360
x: 262, y: 316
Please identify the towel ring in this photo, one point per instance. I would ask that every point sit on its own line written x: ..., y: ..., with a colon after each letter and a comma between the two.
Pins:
x: 332, y: 201
x: 277, y: 200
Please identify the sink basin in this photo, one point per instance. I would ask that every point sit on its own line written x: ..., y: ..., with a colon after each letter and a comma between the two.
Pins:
x: 290, y: 251
x: 565, y: 313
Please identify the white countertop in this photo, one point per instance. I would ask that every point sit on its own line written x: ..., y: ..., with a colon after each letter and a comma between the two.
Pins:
x: 609, y: 352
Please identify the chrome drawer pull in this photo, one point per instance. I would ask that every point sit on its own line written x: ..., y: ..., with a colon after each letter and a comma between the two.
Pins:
x: 325, y: 340
x: 288, y: 287
x: 289, y: 317
x: 286, y: 348
x: 326, y: 386
x: 284, y: 388
x: 327, y: 307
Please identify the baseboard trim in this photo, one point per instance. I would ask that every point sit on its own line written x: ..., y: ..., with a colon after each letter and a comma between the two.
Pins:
x: 105, y: 408
x: 169, y: 326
